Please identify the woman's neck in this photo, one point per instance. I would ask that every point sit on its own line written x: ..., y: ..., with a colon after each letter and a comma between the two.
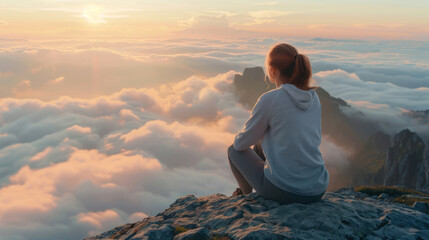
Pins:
x: 280, y: 82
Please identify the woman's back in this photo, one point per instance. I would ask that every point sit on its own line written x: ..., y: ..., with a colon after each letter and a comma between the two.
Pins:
x: 288, y: 121
x: 294, y: 162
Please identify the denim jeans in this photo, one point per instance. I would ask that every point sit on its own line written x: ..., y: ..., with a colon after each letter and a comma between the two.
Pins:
x: 248, y: 169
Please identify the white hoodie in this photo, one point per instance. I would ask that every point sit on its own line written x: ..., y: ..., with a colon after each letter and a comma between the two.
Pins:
x: 288, y: 120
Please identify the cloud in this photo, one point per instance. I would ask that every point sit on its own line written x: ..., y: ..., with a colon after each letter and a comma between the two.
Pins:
x: 41, y: 154
x: 383, y: 103
x: 336, y: 162
x: 269, y: 3
x: 99, y: 219
x: 56, y: 71
x: 264, y: 14
x: 366, y: 26
x: 160, y: 131
x: 24, y: 85
x: 177, y: 145
x: 91, y: 164
x: 34, y: 194
x: 349, y: 86
x: 57, y: 80
x: 267, y: 19
x: 225, y: 13
x: 5, y: 74
x: 105, y: 67
x: 203, y: 26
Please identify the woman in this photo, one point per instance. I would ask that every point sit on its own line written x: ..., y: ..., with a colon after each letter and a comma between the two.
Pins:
x: 287, y: 123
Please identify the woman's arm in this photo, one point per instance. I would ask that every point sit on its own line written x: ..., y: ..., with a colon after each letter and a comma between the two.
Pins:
x: 255, y: 126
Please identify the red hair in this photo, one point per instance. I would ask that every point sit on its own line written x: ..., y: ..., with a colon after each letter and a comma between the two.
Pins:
x: 295, y: 68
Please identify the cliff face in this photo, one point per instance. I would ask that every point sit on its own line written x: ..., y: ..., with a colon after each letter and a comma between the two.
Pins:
x: 250, y: 85
x: 370, y: 159
x: 347, y: 131
x: 405, y: 161
x: 402, y: 160
x: 344, y: 214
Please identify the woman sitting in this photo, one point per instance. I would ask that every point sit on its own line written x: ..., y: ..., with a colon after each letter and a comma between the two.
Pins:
x: 286, y: 122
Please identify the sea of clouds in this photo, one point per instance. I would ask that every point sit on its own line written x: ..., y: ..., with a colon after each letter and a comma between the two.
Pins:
x: 94, y: 134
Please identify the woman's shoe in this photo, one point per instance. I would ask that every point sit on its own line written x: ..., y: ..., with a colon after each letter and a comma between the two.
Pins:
x: 237, y: 192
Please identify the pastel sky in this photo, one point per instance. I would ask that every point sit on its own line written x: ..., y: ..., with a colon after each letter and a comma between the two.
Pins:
x: 384, y: 19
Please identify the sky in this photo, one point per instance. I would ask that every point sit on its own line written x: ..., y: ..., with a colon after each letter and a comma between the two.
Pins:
x: 375, y: 20
x: 111, y: 110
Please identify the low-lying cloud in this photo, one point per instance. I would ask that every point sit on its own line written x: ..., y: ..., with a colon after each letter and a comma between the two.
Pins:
x: 350, y: 87
x: 51, y: 69
x: 93, y: 164
x: 97, y: 134
x: 384, y: 103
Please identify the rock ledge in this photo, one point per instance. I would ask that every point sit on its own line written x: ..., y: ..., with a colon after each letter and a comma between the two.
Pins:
x: 343, y: 214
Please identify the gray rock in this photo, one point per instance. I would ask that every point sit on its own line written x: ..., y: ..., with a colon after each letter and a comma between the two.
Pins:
x: 384, y: 196
x: 403, y: 161
x: 346, y: 190
x: 338, y: 215
x: 195, y: 234
x: 155, y: 232
x: 421, y: 206
x: 187, y: 223
x: 359, y: 195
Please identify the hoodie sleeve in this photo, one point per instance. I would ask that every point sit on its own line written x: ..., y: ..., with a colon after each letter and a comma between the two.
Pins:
x: 255, y: 126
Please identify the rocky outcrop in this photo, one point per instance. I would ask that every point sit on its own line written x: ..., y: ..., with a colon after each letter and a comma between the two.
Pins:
x: 405, y: 163
x: 250, y: 85
x: 369, y: 160
x: 343, y: 214
x: 402, y: 160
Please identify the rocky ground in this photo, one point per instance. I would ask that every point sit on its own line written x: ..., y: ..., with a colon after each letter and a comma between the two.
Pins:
x: 344, y: 214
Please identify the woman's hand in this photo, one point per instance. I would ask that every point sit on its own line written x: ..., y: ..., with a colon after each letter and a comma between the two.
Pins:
x: 258, y: 149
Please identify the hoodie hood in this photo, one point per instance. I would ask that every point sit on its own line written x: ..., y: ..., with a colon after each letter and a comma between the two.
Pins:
x: 302, y: 99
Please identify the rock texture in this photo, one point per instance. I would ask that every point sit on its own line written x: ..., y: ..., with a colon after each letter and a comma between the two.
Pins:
x: 403, y: 160
x: 343, y: 214
x: 369, y: 160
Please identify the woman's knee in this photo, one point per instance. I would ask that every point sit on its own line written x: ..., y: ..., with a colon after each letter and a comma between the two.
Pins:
x: 230, y: 150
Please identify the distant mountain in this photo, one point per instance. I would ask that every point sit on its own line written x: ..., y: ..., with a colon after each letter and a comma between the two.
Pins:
x: 403, y: 160
x: 421, y: 116
x: 369, y: 160
x: 346, y: 131
x: 250, y: 85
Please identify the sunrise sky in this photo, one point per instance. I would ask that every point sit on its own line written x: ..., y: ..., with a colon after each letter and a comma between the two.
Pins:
x: 111, y: 110
x: 384, y: 19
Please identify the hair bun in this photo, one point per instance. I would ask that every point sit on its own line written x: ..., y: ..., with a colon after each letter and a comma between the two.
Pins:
x: 284, y: 58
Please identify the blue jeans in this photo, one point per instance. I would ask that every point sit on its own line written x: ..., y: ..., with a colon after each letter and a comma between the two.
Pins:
x: 248, y: 169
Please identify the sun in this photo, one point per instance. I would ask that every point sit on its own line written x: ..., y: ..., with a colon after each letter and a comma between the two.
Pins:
x: 93, y: 14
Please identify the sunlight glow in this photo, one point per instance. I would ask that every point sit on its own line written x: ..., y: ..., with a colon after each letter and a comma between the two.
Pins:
x: 94, y: 14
